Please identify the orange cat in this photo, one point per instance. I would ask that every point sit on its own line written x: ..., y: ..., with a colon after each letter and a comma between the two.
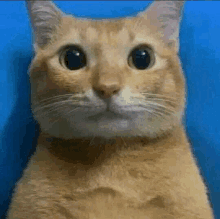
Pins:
x: 109, y: 97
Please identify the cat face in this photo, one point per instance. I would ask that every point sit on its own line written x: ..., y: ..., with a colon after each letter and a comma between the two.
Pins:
x: 107, y: 78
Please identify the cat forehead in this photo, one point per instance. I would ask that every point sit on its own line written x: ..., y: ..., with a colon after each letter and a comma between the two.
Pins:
x: 111, y: 32
x: 93, y: 30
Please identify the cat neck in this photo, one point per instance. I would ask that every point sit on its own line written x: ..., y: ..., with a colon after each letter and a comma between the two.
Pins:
x: 92, y: 152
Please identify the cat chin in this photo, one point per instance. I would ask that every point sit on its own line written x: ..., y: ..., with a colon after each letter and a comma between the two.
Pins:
x: 107, y: 127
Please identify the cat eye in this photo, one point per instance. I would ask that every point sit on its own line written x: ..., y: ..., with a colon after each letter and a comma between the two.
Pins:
x: 141, y: 57
x: 73, y: 58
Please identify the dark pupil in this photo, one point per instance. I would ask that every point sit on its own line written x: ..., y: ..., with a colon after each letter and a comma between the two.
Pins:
x: 141, y: 58
x: 74, y: 59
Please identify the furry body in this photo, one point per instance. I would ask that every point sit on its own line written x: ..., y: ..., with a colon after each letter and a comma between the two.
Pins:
x: 146, y: 180
x: 112, y: 144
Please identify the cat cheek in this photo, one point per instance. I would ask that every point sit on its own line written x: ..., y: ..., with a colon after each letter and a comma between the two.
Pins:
x: 41, y: 84
x: 169, y: 84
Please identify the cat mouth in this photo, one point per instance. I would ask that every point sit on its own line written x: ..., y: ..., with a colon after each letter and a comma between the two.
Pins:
x: 108, y: 115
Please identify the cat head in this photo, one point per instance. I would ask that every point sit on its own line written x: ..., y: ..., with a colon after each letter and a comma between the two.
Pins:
x: 107, y: 78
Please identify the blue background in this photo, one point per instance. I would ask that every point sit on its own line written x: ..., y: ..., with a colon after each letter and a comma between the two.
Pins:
x: 200, y: 54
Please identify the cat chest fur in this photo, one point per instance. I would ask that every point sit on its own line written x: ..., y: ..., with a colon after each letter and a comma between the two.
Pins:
x: 122, y: 180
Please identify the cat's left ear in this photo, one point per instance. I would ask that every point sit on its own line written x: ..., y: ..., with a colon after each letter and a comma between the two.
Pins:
x: 45, y: 19
x: 166, y: 16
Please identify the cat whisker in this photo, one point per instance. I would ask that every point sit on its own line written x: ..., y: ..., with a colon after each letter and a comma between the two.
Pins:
x: 124, y: 142
x: 58, y: 103
x: 72, y: 111
x: 150, y: 111
x: 158, y: 95
x: 174, y: 103
x: 69, y: 96
x: 156, y: 99
x: 90, y: 143
x: 64, y: 114
x: 55, y: 97
x: 162, y: 107
x: 55, y: 113
x: 161, y: 112
x: 156, y: 112
x: 51, y: 105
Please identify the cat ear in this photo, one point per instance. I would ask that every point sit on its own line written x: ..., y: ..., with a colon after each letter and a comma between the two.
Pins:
x: 166, y: 15
x: 45, y: 18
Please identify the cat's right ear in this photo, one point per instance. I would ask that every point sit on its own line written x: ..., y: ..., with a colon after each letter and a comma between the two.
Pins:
x: 45, y: 19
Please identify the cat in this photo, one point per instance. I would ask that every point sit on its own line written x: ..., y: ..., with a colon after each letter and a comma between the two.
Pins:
x: 109, y: 96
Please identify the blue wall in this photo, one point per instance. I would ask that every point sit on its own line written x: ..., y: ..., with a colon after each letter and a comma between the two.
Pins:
x: 200, y: 53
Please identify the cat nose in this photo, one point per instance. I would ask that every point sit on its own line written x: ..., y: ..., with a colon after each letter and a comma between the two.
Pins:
x: 107, y: 89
